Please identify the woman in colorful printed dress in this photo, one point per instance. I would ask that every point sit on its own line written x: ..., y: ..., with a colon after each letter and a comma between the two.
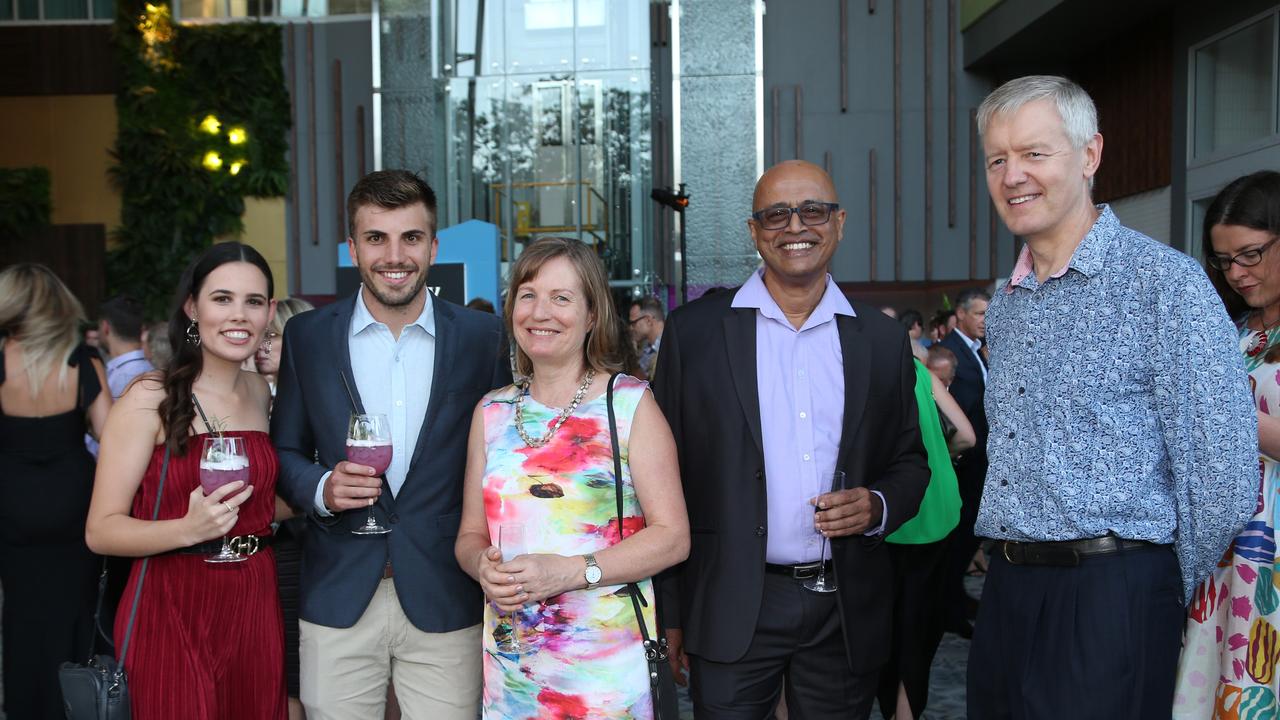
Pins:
x: 540, y: 455
x: 1232, y: 641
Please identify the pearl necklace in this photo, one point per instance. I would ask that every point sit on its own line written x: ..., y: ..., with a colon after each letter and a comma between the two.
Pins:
x: 555, y: 425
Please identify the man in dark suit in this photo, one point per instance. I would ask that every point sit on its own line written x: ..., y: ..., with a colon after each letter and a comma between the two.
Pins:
x: 770, y: 390
x: 395, y: 606
x: 968, y: 388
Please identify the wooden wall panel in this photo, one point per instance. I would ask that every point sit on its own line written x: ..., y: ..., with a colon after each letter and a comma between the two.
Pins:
x: 1132, y: 85
x: 57, y: 60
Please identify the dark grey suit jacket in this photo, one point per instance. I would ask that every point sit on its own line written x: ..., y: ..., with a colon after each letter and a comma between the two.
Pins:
x: 340, y: 571
x: 706, y: 385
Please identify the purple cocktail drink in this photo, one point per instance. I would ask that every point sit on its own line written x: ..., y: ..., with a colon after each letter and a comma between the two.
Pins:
x: 374, y: 454
x: 214, y: 475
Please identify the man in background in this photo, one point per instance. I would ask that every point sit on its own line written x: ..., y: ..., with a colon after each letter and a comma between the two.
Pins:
x: 647, y: 320
x: 120, y: 333
x: 968, y: 388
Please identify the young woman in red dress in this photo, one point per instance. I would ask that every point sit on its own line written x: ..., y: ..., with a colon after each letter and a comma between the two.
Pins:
x: 207, y: 640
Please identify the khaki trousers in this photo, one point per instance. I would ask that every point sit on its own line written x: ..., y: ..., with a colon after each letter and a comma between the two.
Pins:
x: 344, y: 671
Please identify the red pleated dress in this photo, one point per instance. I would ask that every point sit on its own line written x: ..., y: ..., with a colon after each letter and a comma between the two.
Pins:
x: 208, y: 641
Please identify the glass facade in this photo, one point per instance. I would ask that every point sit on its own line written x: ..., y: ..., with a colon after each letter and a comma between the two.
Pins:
x: 1235, y: 88
x: 532, y: 115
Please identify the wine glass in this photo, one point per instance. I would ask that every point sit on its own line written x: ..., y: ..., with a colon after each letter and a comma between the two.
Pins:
x: 821, y: 583
x: 223, y: 460
x: 369, y: 443
x: 511, y: 543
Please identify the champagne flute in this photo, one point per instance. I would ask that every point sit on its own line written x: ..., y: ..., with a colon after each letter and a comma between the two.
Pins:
x: 222, y: 461
x: 511, y: 543
x: 821, y: 583
x: 369, y: 443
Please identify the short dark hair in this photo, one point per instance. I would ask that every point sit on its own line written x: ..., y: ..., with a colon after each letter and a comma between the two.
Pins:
x: 941, y: 318
x: 125, y: 315
x: 1252, y: 201
x: 390, y: 189
x: 911, y: 318
x: 651, y: 306
x: 966, y: 297
x: 481, y: 304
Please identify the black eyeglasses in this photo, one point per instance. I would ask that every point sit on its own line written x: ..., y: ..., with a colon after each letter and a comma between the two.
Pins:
x: 1248, y: 258
x: 811, y: 213
x: 636, y: 320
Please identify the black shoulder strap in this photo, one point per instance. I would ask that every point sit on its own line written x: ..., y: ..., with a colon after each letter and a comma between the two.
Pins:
x: 142, y: 574
x: 654, y: 651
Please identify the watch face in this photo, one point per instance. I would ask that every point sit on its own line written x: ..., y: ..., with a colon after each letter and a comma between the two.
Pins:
x: 593, y: 574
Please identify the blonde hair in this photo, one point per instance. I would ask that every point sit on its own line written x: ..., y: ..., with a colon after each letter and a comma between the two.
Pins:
x: 286, y: 309
x: 602, y: 349
x: 39, y: 311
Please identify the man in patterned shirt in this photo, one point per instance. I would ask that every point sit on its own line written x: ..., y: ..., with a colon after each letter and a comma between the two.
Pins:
x: 1123, y: 449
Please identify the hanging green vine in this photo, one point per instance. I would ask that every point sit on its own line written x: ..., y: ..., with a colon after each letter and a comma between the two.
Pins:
x: 25, y: 204
x: 203, y: 115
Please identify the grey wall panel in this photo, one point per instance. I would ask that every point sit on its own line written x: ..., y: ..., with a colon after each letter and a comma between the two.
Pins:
x: 719, y: 166
x: 317, y: 223
x: 718, y: 116
x: 717, y: 37
x: 869, y: 122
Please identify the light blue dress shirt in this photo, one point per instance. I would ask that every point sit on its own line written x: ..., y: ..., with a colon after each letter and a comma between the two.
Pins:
x: 800, y: 381
x: 394, y: 377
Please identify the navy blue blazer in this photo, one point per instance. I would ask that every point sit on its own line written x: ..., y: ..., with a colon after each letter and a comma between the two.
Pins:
x: 968, y: 389
x: 341, y: 571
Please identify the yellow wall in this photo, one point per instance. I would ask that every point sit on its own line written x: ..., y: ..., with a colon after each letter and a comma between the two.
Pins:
x: 264, y: 230
x: 70, y: 135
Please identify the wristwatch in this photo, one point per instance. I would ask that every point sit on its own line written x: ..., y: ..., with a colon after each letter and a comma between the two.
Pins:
x: 592, y: 574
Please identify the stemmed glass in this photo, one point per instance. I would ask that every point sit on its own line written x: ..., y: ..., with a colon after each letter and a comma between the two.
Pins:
x: 223, y: 460
x: 369, y: 443
x: 511, y: 543
x: 821, y: 583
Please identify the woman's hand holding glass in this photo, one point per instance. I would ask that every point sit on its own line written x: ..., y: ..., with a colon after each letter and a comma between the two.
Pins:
x: 541, y: 576
x: 210, y: 517
x: 500, y: 587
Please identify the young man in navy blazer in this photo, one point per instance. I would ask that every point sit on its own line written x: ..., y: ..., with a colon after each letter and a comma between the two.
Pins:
x: 392, y: 607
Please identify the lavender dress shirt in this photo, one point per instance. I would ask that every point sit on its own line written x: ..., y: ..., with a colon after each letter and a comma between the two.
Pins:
x: 801, y: 386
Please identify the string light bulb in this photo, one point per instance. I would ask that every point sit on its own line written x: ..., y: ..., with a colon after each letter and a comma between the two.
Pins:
x: 237, y: 136
x: 210, y: 124
x: 212, y: 161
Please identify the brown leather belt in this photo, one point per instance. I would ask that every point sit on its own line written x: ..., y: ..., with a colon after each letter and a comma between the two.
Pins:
x: 1066, y: 553
x: 803, y: 571
x: 387, y: 572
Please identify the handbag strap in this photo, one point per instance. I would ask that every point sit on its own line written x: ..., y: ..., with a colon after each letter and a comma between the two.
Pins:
x: 142, y: 574
x: 655, y: 652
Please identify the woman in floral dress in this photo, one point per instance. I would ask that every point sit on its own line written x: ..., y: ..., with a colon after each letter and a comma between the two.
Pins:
x: 540, y: 455
x: 1231, y: 646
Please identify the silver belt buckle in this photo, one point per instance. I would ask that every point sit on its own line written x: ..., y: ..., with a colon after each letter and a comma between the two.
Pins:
x: 245, y: 545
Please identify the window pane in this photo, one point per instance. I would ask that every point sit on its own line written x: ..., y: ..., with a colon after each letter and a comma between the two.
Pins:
x: 104, y: 9
x: 28, y: 9
x: 1235, y: 77
x: 65, y: 9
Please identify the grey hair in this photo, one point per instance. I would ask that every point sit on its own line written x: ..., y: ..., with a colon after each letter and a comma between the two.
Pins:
x: 1075, y: 107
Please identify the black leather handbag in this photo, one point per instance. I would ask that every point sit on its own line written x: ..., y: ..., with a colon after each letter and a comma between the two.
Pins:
x: 99, y: 689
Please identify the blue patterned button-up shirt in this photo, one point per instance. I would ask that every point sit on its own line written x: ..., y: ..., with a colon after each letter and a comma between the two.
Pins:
x: 1118, y: 404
